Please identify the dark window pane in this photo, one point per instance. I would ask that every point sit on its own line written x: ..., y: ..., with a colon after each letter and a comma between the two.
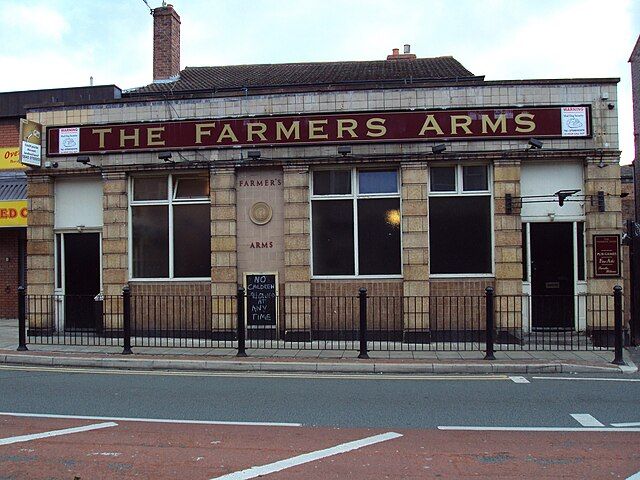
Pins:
x: 443, y: 179
x: 474, y: 178
x: 197, y: 187
x: 58, y: 261
x: 333, y: 237
x: 580, y: 248
x: 378, y: 181
x: 150, y: 241
x: 525, y: 261
x: 379, y: 236
x: 331, y: 182
x: 460, y: 234
x: 150, y: 188
x: 191, y: 241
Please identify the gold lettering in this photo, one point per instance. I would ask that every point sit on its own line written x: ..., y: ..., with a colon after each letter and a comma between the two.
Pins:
x: 501, y: 122
x: 347, y: 125
x: 256, y: 128
x: 154, y: 137
x: 135, y: 137
x: 101, y: 132
x: 430, y: 124
x: 294, y: 130
x: 316, y: 129
x: 462, y: 121
x: 200, y: 132
x: 525, y: 120
x: 227, y: 132
x: 376, y: 128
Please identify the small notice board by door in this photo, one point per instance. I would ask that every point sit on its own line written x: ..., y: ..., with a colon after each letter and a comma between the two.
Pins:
x: 262, y: 299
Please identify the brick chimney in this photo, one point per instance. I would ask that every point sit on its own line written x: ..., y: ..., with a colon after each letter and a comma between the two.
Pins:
x: 407, y: 55
x: 166, y: 43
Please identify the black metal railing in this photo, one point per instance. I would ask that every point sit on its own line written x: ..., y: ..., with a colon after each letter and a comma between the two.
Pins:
x: 486, y: 323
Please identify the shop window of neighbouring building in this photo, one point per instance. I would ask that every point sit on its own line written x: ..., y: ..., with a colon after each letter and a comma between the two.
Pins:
x: 355, y: 222
x: 170, y: 227
x: 460, y: 220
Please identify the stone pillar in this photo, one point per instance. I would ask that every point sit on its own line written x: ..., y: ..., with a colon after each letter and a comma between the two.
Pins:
x: 115, y: 272
x: 415, y: 251
x: 224, y: 270
x: 40, y: 254
x: 600, y: 309
x: 508, y: 247
x: 297, y: 253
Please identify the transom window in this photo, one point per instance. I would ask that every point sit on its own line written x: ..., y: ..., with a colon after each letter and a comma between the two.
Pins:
x: 355, y: 222
x: 170, y: 226
x: 460, y: 220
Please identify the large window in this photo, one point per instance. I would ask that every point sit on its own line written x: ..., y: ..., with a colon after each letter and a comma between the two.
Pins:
x: 170, y: 227
x: 460, y: 220
x: 355, y: 222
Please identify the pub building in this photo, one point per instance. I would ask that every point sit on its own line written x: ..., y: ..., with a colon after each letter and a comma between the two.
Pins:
x: 409, y: 176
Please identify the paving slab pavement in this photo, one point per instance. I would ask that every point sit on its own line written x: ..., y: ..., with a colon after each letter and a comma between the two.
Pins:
x: 307, y: 360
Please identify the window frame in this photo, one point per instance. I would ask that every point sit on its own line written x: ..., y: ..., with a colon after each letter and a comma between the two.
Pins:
x: 170, y: 201
x: 354, y: 196
x: 460, y: 192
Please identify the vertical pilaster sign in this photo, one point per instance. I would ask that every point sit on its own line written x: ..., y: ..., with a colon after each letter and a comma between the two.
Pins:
x: 606, y: 256
x: 30, y: 143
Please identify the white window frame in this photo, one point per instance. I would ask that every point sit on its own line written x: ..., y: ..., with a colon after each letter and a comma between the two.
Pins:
x: 170, y: 201
x: 459, y: 192
x: 354, y: 196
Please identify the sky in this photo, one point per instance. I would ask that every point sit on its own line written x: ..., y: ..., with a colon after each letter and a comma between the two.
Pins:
x: 62, y: 43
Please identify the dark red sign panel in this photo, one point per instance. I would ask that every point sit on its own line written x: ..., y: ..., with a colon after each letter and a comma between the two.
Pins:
x: 606, y: 255
x: 343, y: 128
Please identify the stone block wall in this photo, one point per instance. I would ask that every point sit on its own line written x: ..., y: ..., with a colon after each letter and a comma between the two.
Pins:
x: 297, y: 245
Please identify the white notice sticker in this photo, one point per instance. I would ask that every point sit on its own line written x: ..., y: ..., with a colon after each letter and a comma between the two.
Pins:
x: 69, y: 140
x: 574, y: 121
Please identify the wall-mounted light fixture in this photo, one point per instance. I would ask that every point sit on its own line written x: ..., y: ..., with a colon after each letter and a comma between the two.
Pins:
x: 441, y: 147
x: 563, y: 194
x: 535, y: 143
x: 254, y: 154
x: 344, y: 150
x: 165, y: 156
x: 86, y: 160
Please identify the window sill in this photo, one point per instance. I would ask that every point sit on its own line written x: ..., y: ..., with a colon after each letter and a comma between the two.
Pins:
x: 444, y: 276
x: 156, y: 280
x: 356, y: 277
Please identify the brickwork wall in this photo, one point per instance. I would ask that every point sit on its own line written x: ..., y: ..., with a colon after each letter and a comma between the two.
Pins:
x: 40, y: 246
x: 224, y: 260
x: 607, y: 222
x: 297, y: 244
x: 458, y: 304
x: 166, y: 43
x: 9, y: 272
x: 508, y: 245
x: 415, y: 244
x: 9, y: 133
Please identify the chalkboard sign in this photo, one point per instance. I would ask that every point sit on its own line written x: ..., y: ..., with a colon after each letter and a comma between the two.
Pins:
x: 262, y: 299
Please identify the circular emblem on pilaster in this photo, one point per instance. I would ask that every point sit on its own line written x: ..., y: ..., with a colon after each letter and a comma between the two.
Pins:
x: 260, y: 213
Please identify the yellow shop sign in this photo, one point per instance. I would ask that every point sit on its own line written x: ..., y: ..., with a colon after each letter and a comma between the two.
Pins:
x: 13, y: 213
x: 10, y: 159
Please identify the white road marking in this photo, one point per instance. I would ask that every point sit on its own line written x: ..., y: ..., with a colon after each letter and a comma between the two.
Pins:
x: 151, y: 420
x: 586, y: 420
x: 264, y: 374
x: 518, y: 380
x: 635, y: 476
x: 55, y: 433
x: 538, y: 429
x: 590, y: 379
x: 631, y: 424
x: 254, y: 472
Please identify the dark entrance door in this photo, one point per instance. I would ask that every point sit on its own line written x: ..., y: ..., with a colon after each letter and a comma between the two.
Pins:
x: 82, y: 280
x: 552, y: 282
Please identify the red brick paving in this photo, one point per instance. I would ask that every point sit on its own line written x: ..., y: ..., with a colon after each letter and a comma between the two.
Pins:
x: 163, y: 451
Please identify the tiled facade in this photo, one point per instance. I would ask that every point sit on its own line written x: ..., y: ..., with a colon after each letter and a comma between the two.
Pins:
x: 290, y: 231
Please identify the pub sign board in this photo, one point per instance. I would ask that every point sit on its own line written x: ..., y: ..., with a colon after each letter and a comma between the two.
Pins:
x: 261, y: 299
x: 343, y: 128
x: 606, y: 256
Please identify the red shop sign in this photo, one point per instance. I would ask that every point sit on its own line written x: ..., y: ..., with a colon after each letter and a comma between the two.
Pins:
x: 606, y: 255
